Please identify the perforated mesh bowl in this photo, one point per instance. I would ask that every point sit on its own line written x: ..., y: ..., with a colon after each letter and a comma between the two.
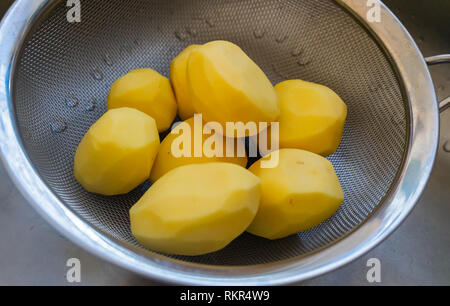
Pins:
x: 55, y: 77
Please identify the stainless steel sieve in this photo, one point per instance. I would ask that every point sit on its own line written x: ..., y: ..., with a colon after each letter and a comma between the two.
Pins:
x: 55, y: 76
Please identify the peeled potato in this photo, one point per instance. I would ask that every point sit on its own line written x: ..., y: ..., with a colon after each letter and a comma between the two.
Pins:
x: 166, y: 160
x: 147, y: 91
x: 312, y: 117
x: 227, y: 86
x: 196, y: 209
x: 178, y: 76
x: 117, y: 153
x: 297, y: 195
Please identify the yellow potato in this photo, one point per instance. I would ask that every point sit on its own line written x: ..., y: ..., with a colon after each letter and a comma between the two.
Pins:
x: 166, y: 160
x: 117, y: 153
x: 147, y: 91
x: 178, y: 76
x: 312, y: 117
x: 227, y: 86
x: 297, y: 195
x: 196, y: 209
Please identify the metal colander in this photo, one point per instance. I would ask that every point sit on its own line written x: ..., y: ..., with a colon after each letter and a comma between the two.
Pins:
x: 57, y: 76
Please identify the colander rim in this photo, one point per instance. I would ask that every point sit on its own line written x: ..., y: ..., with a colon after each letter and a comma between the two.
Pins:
x: 419, y: 161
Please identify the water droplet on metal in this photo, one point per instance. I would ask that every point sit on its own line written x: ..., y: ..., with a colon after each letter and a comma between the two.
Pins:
x: 58, y: 126
x: 191, y: 31
x: 446, y: 146
x: 97, y: 74
x: 210, y: 22
x: 72, y: 101
x: 108, y: 60
x: 180, y: 35
x: 281, y: 39
x: 91, y: 105
x: 259, y: 33
x: 373, y: 87
x: 304, y: 61
x: 297, y: 51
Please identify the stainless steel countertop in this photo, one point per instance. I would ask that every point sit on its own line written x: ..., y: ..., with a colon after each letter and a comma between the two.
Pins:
x: 32, y: 253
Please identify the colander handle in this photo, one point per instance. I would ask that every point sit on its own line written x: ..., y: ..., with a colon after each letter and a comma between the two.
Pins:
x: 440, y: 59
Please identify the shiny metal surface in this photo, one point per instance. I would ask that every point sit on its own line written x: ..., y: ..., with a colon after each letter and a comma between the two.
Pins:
x: 440, y: 59
x: 45, y: 78
x: 444, y: 104
x: 419, y: 161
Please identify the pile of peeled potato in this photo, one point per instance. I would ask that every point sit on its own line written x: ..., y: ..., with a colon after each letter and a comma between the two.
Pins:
x: 198, y: 205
